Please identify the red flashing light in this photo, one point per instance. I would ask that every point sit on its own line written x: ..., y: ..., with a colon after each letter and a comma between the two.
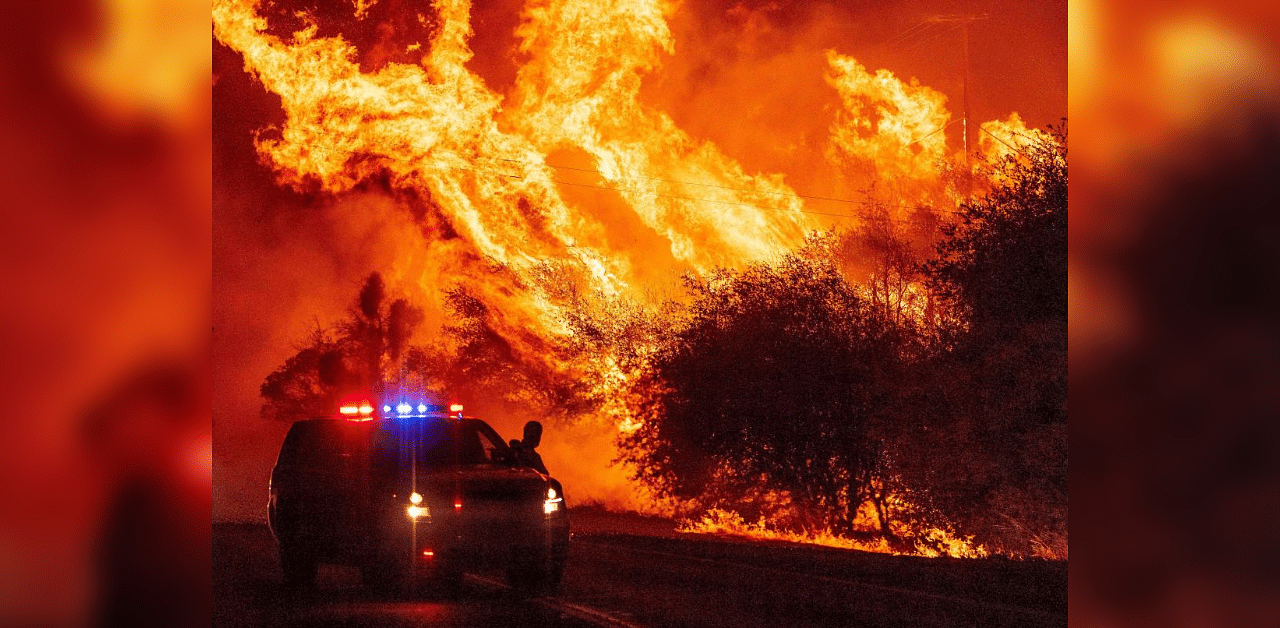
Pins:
x: 358, y: 411
x: 457, y: 504
x: 426, y: 553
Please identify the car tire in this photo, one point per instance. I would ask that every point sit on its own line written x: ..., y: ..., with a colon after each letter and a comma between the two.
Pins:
x: 299, y: 566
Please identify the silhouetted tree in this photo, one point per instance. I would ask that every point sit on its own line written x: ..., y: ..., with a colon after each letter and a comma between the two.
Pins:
x: 1004, y: 264
x: 992, y: 407
x: 485, y: 364
x: 774, y: 377
x: 358, y: 354
x: 882, y: 256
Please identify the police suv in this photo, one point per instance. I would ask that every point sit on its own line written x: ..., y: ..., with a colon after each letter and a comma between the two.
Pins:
x: 410, y: 495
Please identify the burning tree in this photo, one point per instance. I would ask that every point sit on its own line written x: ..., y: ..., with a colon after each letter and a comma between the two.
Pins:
x: 785, y: 390
x: 774, y: 378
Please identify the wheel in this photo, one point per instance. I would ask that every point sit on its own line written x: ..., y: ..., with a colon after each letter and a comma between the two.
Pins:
x: 298, y: 565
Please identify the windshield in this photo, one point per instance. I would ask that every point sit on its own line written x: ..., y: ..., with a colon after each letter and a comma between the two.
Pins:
x: 401, y: 444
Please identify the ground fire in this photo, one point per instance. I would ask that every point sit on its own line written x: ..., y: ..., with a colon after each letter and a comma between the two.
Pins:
x: 547, y: 212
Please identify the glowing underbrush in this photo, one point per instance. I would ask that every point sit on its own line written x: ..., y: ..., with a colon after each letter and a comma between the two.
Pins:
x: 930, y: 543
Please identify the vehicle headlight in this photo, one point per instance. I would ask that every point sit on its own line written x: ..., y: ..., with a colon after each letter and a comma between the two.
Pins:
x: 553, y: 501
x: 416, y: 509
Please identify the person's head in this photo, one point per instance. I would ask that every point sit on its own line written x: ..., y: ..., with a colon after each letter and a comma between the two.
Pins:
x: 532, y: 434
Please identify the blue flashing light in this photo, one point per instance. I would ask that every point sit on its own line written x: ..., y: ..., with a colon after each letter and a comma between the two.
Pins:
x: 405, y: 409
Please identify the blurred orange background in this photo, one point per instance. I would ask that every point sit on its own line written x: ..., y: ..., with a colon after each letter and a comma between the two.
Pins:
x: 1176, y: 113
x: 105, y: 457
x: 106, y: 321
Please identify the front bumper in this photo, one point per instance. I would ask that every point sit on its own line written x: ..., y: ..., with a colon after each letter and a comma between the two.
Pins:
x: 475, y: 537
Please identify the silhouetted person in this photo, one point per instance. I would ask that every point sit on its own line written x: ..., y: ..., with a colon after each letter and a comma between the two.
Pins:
x: 526, y: 456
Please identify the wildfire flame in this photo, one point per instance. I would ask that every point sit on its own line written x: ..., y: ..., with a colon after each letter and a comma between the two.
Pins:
x: 932, y: 543
x: 569, y: 183
x: 898, y: 128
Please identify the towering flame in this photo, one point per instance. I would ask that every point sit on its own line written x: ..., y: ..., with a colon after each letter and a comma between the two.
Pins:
x: 436, y: 129
x: 898, y: 128
x: 584, y: 93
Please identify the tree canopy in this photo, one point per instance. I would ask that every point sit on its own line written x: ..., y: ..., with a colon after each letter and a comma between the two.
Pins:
x: 1004, y: 264
x: 775, y: 377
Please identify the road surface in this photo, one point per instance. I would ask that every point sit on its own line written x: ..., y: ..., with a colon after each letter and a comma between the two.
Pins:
x: 629, y: 573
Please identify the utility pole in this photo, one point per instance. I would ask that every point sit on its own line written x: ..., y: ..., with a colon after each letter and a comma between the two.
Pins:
x: 964, y: 20
x: 966, y: 90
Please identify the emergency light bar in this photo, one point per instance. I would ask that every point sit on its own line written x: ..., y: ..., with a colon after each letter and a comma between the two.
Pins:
x: 406, y: 410
x: 362, y: 410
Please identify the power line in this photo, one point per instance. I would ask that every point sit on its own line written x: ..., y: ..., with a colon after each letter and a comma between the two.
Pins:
x: 673, y: 196
x: 684, y: 198
x: 933, y: 132
x: 1011, y: 132
x: 993, y: 135
x: 931, y: 38
x: 910, y: 32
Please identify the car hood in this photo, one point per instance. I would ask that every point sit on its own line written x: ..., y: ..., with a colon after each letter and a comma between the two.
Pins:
x: 485, y: 484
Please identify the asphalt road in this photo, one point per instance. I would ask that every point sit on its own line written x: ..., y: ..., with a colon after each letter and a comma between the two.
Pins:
x: 636, y: 576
